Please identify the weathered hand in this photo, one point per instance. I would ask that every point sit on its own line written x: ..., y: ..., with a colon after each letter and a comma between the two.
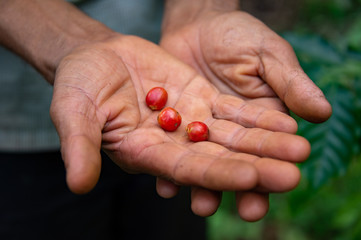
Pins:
x: 98, y: 102
x: 243, y: 57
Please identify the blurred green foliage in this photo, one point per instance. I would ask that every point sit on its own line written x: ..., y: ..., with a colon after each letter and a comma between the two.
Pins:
x: 338, y: 74
x: 327, y: 203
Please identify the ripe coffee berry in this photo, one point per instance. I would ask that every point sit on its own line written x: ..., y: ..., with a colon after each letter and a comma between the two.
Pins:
x: 197, y: 131
x: 169, y: 119
x: 156, y: 98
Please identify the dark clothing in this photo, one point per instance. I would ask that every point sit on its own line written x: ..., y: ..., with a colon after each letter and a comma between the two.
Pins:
x: 35, y: 203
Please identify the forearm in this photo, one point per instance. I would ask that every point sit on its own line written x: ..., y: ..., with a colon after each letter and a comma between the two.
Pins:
x: 44, y: 31
x: 178, y: 13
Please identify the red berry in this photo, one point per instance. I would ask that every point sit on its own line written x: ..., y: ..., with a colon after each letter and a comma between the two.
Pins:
x: 156, y: 98
x: 169, y: 119
x: 197, y: 131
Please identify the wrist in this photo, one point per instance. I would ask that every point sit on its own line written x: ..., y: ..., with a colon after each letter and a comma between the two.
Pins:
x: 180, y: 13
x: 74, y: 37
x: 42, y: 32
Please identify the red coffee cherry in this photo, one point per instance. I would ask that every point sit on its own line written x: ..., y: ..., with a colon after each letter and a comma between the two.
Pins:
x: 169, y: 119
x: 197, y: 131
x: 156, y: 98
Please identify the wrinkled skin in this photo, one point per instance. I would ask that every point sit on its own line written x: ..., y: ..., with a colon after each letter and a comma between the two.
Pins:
x: 242, y: 57
x: 99, y: 102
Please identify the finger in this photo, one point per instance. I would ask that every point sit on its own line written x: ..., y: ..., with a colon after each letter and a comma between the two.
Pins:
x: 270, y: 103
x: 185, y: 166
x: 80, y: 139
x: 271, y: 180
x: 205, y: 202
x: 283, y: 73
x: 206, y: 170
x: 273, y: 175
x: 166, y: 189
x: 82, y: 160
x: 251, y: 115
x: 252, y: 206
x: 260, y: 142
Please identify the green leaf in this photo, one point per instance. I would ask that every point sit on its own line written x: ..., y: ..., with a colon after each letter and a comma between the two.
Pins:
x: 338, y: 74
x: 353, y: 36
x: 347, y: 74
x: 333, y: 141
x: 312, y: 48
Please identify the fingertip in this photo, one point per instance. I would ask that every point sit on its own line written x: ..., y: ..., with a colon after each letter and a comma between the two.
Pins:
x: 204, y: 202
x: 322, y: 111
x: 252, y: 206
x: 277, y: 176
x: 277, y: 121
x: 292, y: 148
x: 81, y: 183
x: 166, y: 189
x: 291, y: 179
x: 301, y: 151
x: 83, y: 164
x: 305, y: 99
x: 294, y: 179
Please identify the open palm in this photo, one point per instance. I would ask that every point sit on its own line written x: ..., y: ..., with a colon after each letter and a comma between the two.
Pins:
x: 98, y: 102
x: 242, y: 57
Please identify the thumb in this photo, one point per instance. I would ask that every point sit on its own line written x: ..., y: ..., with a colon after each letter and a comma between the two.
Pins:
x: 284, y: 74
x: 80, y: 139
x: 82, y: 161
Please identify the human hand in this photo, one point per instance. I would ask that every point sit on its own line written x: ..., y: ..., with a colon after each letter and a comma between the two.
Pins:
x: 243, y: 57
x: 96, y: 93
x: 98, y: 102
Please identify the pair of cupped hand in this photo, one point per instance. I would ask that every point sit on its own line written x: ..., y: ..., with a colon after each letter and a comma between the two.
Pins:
x: 229, y: 71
